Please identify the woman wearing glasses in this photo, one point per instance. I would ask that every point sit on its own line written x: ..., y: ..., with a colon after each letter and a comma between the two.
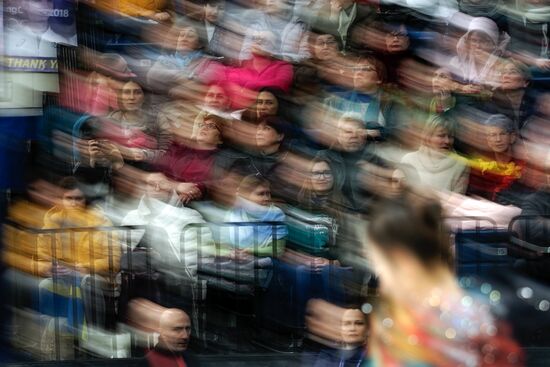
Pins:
x: 359, y: 90
x: 514, y: 96
x: 321, y: 189
x: 320, y: 201
x: 478, y: 54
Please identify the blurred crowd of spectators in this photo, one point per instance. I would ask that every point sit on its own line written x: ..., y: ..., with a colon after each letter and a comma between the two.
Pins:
x: 181, y: 113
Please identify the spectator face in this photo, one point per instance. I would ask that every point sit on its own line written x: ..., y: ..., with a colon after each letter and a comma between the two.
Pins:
x: 266, y: 136
x: 480, y: 44
x: 266, y: 104
x: 188, y: 40
x: 261, y: 195
x: 157, y: 187
x: 441, y: 140
x: 322, y: 179
x: 499, y: 140
x: 351, y: 137
x: 216, y: 98
x: 175, y: 330
x: 73, y: 199
x: 131, y: 97
x: 213, y: 12
x: 441, y: 82
x: 354, y: 327
x: 209, y: 134
x: 325, y: 47
x: 365, y: 76
x: 511, y: 78
x: 397, y: 41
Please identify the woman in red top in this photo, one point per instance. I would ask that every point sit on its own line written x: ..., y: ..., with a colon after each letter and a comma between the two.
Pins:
x: 190, y: 164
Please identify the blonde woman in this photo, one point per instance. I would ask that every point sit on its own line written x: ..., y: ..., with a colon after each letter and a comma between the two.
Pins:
x: 435, y: 162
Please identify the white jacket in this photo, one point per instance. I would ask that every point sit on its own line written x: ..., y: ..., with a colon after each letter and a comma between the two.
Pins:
x: 166, y: 224
x: 438, y: 171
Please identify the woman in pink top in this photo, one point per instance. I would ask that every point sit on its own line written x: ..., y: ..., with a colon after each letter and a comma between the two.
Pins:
x: 261, y: 70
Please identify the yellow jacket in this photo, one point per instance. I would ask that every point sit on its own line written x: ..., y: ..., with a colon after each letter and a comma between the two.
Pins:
x: 90, y: 249
x: 20, y: 246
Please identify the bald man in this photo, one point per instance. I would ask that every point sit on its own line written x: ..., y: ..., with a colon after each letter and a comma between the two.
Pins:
x: 175, y: 333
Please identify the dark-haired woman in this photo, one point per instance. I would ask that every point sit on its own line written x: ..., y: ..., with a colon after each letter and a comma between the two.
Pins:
x: 131, y: 128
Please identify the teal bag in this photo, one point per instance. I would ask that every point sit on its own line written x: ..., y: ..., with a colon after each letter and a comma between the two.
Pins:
x: 308, y: 232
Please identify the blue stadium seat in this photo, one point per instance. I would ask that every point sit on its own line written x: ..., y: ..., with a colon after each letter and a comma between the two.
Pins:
x: 480, y: 252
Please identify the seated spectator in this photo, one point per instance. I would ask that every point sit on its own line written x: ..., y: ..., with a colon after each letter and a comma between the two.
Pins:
x: 434, y: 162
x: 294, y: 41
x: 342, y: 330
x: 174, y: 330
x: 70, y: 213
x: 324, y: 49
x: 341, y: 17
x: 259, y: 71
x: 133, y: 131
x: 215, y: 29
x: 181, y: 116
x: 321, y: 190
x: 478, y: 53
x: 498, y: 170
x: 395, y: 48
x: 365, y: 96
x: 513, y: 97
x: 263, y: 157
x: 266, y: 105
x: 216, y: 102
x: 350, y: 147
x: 23, y: 269
x: 98, y: 88
x: 268, y: 16
x: 28, y: 211
x: 189, y: 163
x: 316, y: 200
x: 253, y: 204
x: 185, y: 62
x: 158, y: 209
x: 442, y: 88
x: 95, y: 159
x: 87, y: 259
